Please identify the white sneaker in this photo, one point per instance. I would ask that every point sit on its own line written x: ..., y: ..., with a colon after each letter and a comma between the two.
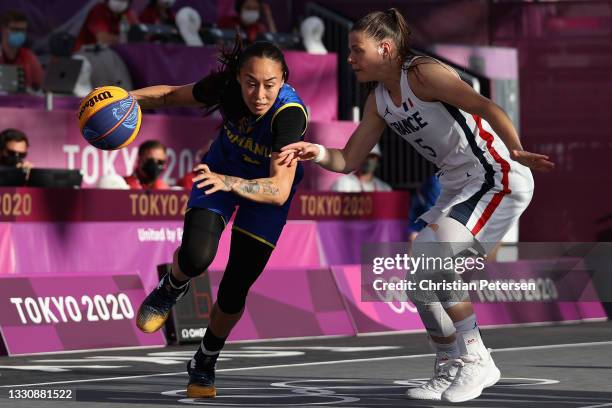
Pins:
x: 474, y: 374
x: 444, y: 373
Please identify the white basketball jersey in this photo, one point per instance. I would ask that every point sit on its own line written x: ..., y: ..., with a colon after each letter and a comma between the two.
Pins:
x: 476, y: 172
x: 444, y: 134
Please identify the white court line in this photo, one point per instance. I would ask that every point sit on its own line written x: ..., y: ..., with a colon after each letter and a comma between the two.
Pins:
x: 547, y: 398
x: 316, y: 363
x: 595, y: 343
x: 44, y: 353
x: 484, y: 327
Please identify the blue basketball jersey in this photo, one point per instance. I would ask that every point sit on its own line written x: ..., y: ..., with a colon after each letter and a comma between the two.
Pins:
x: 244, y: 149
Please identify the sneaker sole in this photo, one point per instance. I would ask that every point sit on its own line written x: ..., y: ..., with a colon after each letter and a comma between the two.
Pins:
x: 476, y: 393
x: 424, y: 398
x: 148, y: 322
x: 199, y: 391
x: 494, y: 379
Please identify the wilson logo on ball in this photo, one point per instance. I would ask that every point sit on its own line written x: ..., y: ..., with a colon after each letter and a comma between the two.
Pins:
x: 92, y: 101
x: 109, y: 118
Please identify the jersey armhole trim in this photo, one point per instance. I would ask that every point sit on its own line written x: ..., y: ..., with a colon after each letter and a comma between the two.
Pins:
x: 289, y: 105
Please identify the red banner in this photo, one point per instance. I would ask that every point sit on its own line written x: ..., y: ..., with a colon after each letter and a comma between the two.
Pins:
x: 33, y: 204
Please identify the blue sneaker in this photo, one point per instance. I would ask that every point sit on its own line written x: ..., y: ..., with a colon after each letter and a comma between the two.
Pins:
x: 201, y: 370
x: 155, y: 309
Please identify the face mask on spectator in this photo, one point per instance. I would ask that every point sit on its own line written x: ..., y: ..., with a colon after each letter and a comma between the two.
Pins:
x: 167, y: 3
x: 118, y: 6
x: 16, y: 39
x: 12, y: 158
x: 249, y: 17
x: 153, y: 168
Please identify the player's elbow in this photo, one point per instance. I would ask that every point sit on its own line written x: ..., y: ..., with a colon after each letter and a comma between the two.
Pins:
x: 349, y: 167
x: 350, y: 164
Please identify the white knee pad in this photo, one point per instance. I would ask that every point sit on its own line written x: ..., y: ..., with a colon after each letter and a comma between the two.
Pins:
x: 445, y: 238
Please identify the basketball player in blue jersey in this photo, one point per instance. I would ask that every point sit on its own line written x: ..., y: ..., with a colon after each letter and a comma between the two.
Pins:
x: 485, y: 178
x: 261, y: 114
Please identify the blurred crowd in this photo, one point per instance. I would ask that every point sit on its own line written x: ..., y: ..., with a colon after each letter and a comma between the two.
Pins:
x: 86, y: 41
x: 90, y: 35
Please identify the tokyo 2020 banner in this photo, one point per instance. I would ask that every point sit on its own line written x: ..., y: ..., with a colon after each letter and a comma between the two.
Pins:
x: 71, y: 312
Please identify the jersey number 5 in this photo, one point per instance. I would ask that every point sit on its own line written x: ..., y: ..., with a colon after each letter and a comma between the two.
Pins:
x: 431, y: 151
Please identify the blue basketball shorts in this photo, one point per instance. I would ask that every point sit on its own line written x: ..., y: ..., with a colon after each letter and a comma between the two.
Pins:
x: 263, y: 222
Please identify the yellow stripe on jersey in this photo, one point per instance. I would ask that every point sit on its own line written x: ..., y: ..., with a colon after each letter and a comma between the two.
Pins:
x: 289, y: 105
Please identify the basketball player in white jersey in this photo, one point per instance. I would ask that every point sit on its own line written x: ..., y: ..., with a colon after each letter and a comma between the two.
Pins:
x: 484, y: 175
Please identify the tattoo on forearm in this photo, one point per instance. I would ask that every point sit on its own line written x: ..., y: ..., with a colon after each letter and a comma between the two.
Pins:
x: 249, y: 186
x: 229, y: 181
x: 265, y: 187
x: 269, y: 188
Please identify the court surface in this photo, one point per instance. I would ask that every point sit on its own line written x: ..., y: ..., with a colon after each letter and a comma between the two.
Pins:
x: 551, y: 366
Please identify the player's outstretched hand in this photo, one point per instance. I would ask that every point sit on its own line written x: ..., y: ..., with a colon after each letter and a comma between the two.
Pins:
x: 217, y: 182
x: 299, y: 151
x: 534, y: 161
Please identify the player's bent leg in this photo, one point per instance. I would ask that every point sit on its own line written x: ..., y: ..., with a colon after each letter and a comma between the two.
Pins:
x: 201, y: 236
x: 248, y: 258
x: 440, y: 328
x: 441, y: 336
x: 201, y: 368
x: 474, y: 370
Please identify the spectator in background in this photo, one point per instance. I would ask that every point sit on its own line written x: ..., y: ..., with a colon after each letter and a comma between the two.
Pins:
x: 363, y: 180
x: 14, y: 146
x: 102, y: 24
x: 158, y: 12
x: 150, y: 165
x: 14, y: 25
x: 421, y: 201
x: 247, y: 20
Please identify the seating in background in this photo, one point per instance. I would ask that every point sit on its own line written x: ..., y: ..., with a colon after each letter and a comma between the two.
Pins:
x: 283, y: 40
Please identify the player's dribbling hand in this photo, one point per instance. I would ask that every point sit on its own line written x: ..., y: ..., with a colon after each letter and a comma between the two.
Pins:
x: 299, y: 151
x: 205, y: 178
x: 534, y: 161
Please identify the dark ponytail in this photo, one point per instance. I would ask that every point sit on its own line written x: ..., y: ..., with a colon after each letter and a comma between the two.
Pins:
x: 387, y: 24
x: 220, y: 89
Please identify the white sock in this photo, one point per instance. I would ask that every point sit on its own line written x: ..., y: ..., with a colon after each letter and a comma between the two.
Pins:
x: 468, y: 337
x: 445, y: 352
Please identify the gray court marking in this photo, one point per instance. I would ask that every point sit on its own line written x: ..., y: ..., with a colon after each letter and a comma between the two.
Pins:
x: 330, y: 390
x: 311, y: 364
x: 329, y: 397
